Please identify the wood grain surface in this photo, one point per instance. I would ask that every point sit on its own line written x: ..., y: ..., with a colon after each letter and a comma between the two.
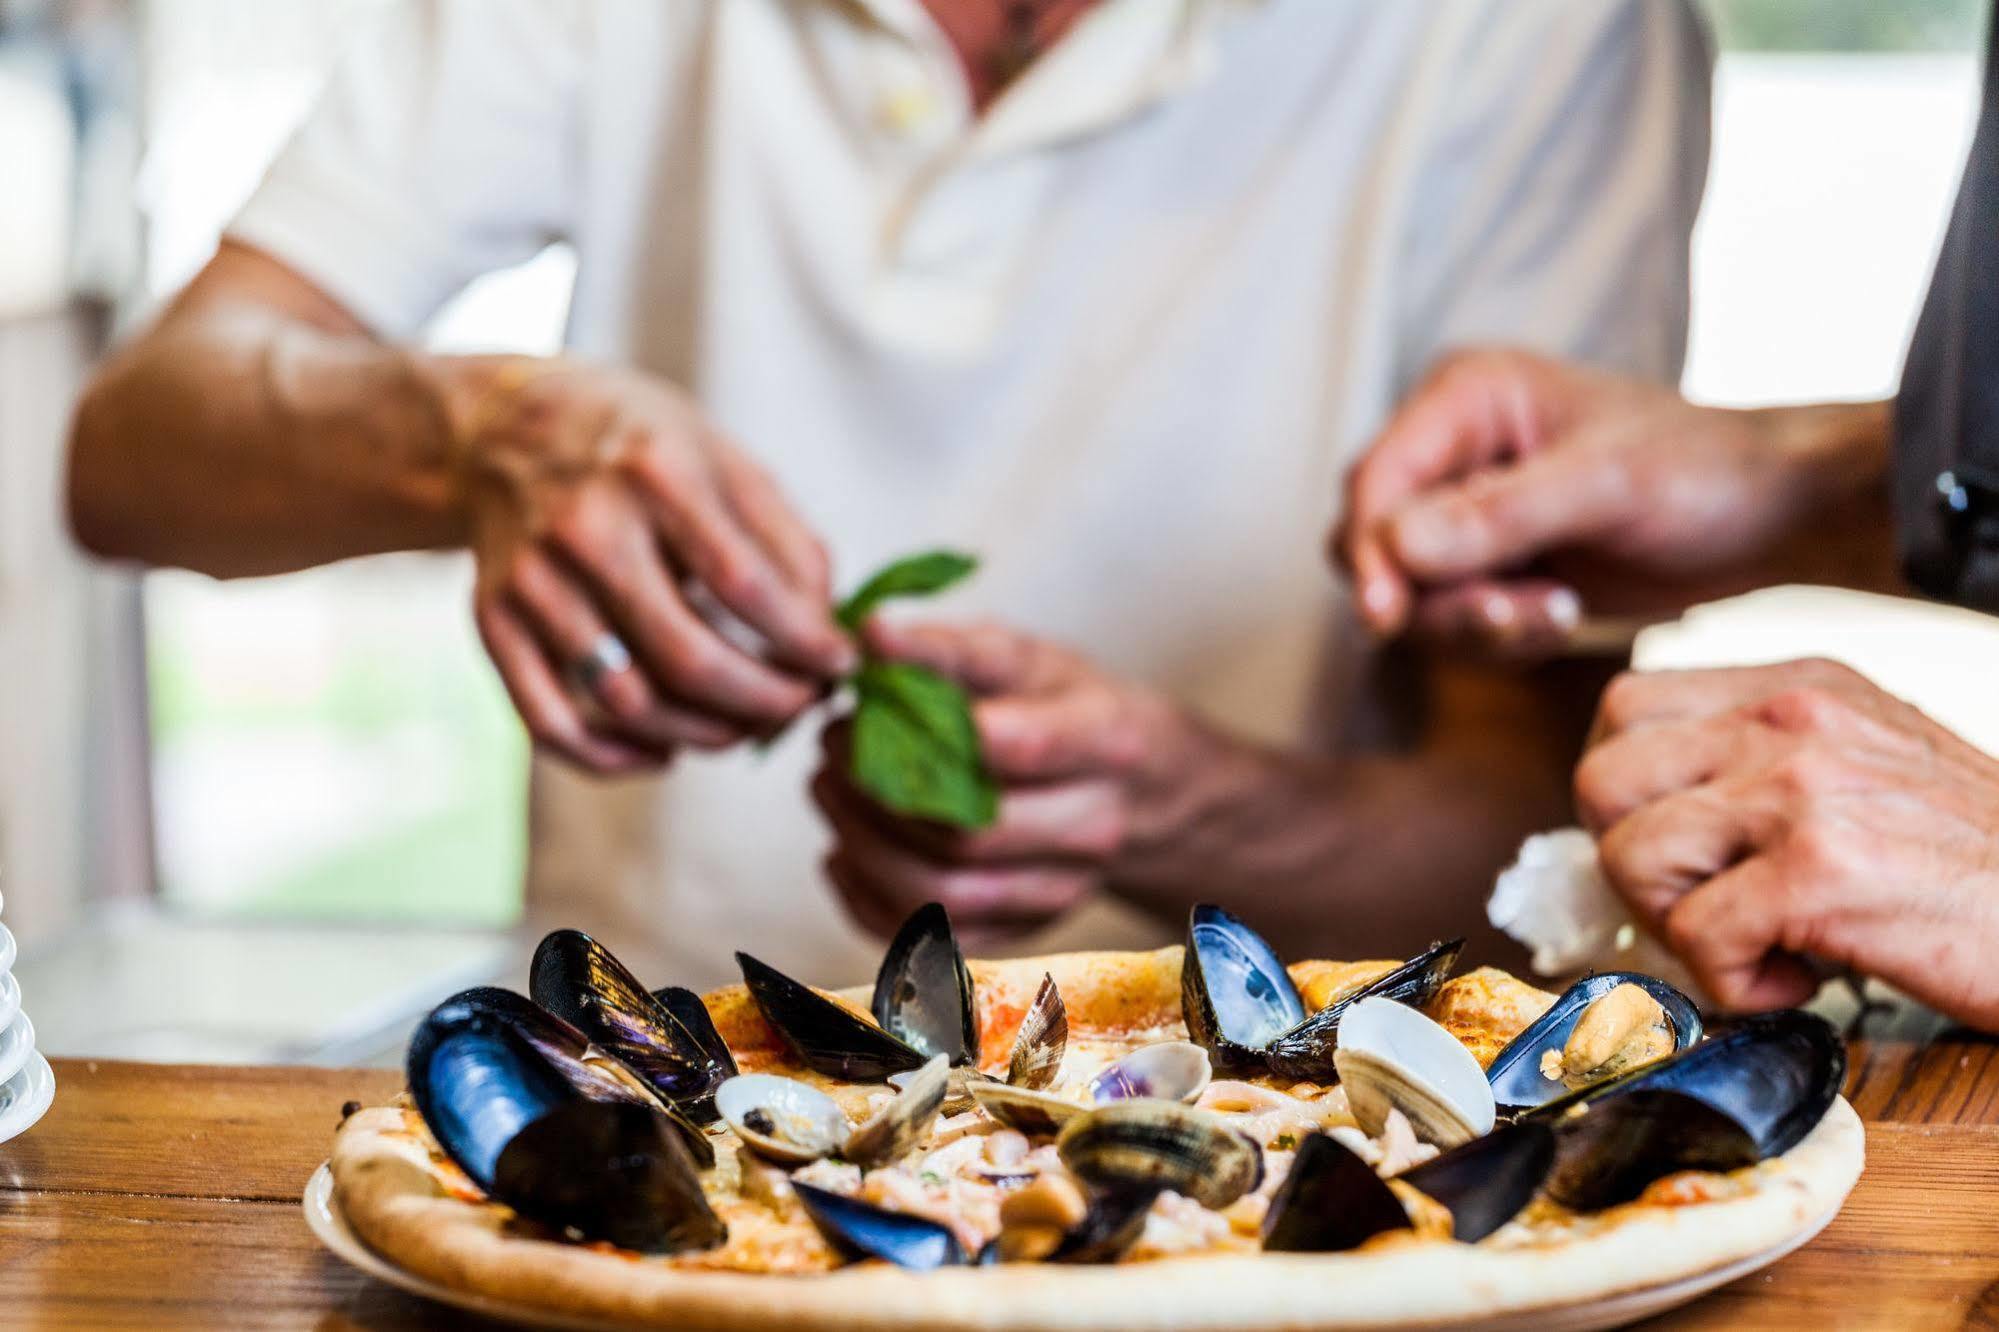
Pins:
x: 167, y: 1197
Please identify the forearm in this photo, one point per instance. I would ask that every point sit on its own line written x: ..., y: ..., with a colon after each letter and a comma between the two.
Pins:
x: 1842, y: 528
x: 237, y: 439
x: 1371, y: 856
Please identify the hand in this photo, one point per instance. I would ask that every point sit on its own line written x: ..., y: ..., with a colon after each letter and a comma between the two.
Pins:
x: 1512, y: 492
x: 1088, y: 768
x: 601, y: 503
x: 1758, y: 818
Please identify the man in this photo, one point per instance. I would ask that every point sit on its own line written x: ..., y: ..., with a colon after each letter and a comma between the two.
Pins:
x: 1107, y: 305
x: 1760, y: 820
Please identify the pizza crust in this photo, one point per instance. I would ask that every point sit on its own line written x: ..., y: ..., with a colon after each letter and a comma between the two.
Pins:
x: 394, y: 1200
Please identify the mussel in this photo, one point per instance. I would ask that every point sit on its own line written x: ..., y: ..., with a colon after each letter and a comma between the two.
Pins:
x: 1523, y: 1075
x: 611, y: 1170
x: 1392, y: 1056
x: 1035, y: 1061
x: 1333, y: 1201
x: 789, y: 1123
x: 1165, y: 1071
x: 1241, y: 1005
x: 1133, y: 1146
x: 577, y: 979
x: 587, y: 1069
x: 1774, y: 1074
x: 1608, y: 1151
x: 924, y: 1005
x: 859, y: 1229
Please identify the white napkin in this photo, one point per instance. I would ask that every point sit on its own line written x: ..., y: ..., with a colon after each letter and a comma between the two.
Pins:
x: 1554, y: 900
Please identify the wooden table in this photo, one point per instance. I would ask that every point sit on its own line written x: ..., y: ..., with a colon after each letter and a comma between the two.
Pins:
x: 168, y: 1197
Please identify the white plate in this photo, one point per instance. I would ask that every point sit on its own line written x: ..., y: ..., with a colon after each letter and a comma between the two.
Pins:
x: 10, y: 997
x: 17, y: 1042
x: 25, y: 1097
x: 326, y: 1222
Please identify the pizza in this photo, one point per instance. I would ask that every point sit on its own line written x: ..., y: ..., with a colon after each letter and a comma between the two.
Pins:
x: 1198, y: 1137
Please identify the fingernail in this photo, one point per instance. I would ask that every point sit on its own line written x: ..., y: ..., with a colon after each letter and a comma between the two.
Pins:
x: 1497, y: 612
x: 1377, y: 598
x: 1565, y: 609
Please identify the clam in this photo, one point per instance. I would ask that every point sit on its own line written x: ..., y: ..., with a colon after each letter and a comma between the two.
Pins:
x: 1241, y: 1005
x: 586, y: 1068
x: 859, y: 1229
x: 789, y: 1123
x: 924, y: 1005
x: 577, y: 979
x: 1391, y: 1056
x: 1132, y: 1146
x: 1592, y: 1013
x: 1333, y: 1201
x: 611, y: 1170
x: 1167, y: 1071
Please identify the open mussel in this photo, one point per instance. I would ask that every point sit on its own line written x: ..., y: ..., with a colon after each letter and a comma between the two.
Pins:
x: 1393, y: 1057
x: 1332, y: 1200
x: 579, y: 980
x: 1035, y: 1061
x: 1774, y: 1074
x: 1608, y: 1151
x: 1241, y: 1005
x: 611, y: 1170
x: 1601, y: 1027
x: 859, y: 1229
x: 789, y: 1123
x: 924, y: 1005
x: 587, y: 1069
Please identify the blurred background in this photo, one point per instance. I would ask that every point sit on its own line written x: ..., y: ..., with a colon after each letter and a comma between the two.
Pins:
x: 273, y: 819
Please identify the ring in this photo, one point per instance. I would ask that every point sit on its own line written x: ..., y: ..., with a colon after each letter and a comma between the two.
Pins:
x: 606, y: 657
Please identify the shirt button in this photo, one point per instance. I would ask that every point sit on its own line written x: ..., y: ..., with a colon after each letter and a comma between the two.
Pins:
x: 907, y: 110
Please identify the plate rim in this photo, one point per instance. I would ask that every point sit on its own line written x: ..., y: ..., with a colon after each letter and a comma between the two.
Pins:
x: 41, y: 1083
x: 325, y: 1220
x: 25, y: 1045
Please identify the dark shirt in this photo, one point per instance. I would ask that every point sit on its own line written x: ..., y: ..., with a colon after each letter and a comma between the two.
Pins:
x: 1947, y: 414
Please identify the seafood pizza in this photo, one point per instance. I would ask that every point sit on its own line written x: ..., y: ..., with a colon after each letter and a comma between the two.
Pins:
x: 1202, y: 1136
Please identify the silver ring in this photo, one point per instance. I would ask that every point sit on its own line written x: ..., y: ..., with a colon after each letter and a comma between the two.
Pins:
x: 606, y: 657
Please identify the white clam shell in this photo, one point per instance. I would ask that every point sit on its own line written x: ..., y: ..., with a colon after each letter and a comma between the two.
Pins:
x: 1169, y: 1071
x: 1391, y: 1056
x: 810, y: 1123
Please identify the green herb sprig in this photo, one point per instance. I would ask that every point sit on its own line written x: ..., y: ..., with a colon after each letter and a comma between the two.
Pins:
x: 915, y: 747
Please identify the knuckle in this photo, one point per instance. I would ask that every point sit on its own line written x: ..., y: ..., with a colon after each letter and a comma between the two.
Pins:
x: 1620, y: 701
x: 1592, y: 788
x: 1804, y: 708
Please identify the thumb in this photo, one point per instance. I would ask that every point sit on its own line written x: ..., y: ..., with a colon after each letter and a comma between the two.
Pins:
x: 1500, y: 518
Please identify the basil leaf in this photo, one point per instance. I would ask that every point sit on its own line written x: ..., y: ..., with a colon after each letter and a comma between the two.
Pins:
x: 915, y: 748
x: 912, y: 576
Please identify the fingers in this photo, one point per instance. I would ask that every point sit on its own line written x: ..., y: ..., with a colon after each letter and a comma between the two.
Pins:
x: 1783, y: 690
x: 1082, y: 820
x: 546, y: 709
x: 1730, y: 933
x: 1061, y: 736
x: 889, y: 881
x: 1635, y: 768
x: 757, y: 501
x: 984, y: 658
x: 1518, y: 620
x: 778, y: 595
x: 1500, y: 518
x: 1465, y: 414
x: 1670, y: 847
x: 605, y: 538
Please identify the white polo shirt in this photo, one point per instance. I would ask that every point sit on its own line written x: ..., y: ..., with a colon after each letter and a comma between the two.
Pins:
x: 1121, y: 335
